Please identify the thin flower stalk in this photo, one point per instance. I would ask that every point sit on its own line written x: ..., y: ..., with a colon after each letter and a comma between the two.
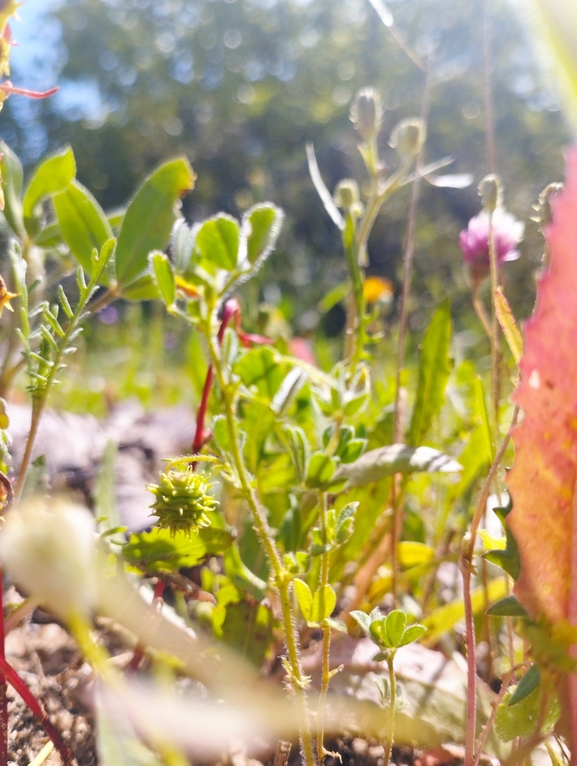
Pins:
x: 466, y: 568
x: 281, y: 577
x: 326, y: 645
x: 390, y: 737
x: 396, y: 494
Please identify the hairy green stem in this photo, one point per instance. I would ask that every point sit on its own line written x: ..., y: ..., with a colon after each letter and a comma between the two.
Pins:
x: 495, y: 334
x: 481, y: 312
x: 39, y: 403
x: 392, y: 708
x: 466, y: 568
x: 326, y: 647
x: 282, y: 580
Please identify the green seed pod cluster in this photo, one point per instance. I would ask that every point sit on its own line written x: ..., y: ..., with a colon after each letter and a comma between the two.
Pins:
x: 182, y: 501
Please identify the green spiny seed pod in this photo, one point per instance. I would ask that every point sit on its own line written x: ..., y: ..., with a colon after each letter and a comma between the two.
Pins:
x: 367, y: 113
x: 182, y: 501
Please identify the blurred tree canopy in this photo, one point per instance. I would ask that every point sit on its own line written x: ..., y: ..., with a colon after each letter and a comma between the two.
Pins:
x: 240, y: 86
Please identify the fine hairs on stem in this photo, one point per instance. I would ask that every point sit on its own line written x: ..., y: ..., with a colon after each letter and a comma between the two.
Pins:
x: 282, y: 581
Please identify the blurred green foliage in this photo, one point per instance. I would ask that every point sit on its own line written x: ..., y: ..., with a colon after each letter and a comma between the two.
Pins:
x: 239, y: 86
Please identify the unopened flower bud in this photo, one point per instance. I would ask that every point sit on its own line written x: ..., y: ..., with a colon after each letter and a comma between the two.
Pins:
x: 347, y: 196
x: 49, y: 548
x: 408, y: 137
x: 491, y: 193
x: 544, y: 210
x: 367, y: 113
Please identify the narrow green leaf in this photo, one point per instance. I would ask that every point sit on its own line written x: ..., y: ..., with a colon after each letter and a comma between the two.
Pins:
x: 321, y: 470
x: 322, y: 191
x: 526, y: 685
x: 164, y: 277
x: 507, y: 607
x: 12, y: 176
x: 299, y: 450
x: 83, y: 224
x: 101, y: 260
x: 434, y: 370
x: 261, y: 226
x: 324, y: 601
x: 304, y: 598
x: 509, y: 325
x: 289, y: 388
x: 217, y: 241
x: 53, y: 175
x: 150, y: 216
x: 64, y: 302
x: 396, y: 458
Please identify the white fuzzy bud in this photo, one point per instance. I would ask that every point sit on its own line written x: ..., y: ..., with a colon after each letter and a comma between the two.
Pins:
x: 49, y: 548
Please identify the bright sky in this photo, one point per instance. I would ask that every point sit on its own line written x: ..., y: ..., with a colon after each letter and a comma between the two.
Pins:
x: 35, y: 58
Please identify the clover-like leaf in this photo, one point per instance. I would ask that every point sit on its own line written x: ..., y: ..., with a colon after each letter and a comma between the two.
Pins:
x: 395, y: 623
x: 363, y: 620
x: 304, y: 598
x: 411, y: 634
x: 378, y: 633
x: 217, y: 241
x: 324, y: 601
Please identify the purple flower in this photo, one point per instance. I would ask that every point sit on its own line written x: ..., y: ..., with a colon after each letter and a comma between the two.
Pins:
x: 474, y: 241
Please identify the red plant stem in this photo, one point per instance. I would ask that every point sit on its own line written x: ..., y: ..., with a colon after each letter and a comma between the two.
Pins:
x: 11, y: 676
x: 471, y: 720
x: 8, y: 88
x: 231, y: 308
x: 3, y: 687
x: 201, y: 417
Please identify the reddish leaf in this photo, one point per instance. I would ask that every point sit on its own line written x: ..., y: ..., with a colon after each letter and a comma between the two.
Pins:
x: 543, y: 480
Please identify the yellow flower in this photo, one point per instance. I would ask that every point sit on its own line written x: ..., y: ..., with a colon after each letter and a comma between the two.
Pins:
x: 377, y: 289
x: 5, y: 296
x: 8, y: 8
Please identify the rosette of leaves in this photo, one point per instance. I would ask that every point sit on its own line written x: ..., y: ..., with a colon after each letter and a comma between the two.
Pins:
x: 182, y: 501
